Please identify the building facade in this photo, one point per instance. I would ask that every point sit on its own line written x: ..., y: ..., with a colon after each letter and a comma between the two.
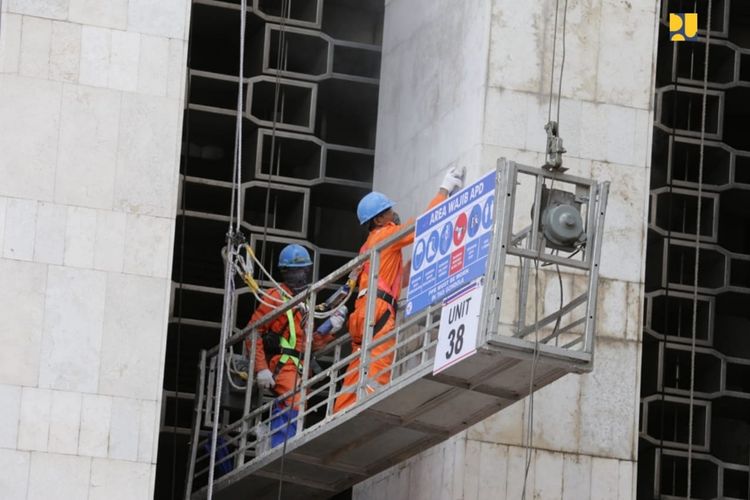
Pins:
x: 116, y: 139
x: 467, y: 83
x: 91, y: 95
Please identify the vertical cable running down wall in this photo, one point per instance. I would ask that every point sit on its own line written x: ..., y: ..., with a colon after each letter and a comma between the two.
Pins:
x: 322, y: 164
x: 719, y: 448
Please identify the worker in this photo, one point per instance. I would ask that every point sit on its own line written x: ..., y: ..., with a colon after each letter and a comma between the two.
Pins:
x: 376, y: 209
x: 281, y: 342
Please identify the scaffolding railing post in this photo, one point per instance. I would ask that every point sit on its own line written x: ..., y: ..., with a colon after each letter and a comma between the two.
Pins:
x: 197, y: 411
x: 248, y: 399
x: 504, y: 194
x: 601, y: 208
x: 332, y: 382
x: 372, y: 288
x: 306, y: 360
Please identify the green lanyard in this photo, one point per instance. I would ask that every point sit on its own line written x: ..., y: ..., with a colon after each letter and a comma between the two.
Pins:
x: 291, y: 342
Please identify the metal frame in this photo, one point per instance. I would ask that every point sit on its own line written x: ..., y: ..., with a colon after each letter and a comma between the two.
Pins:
x: 255, y: 9
x: 677, y: 400
x: 718, y: 94
x: 321, y: 176
x: 311, y: 87
x: 687, y: 193
x: 721, y: 466
x: 528, y: 245
x: 706, y: 248
x: 649, y: 312
x: 331, y: 45
x: 278, y: 187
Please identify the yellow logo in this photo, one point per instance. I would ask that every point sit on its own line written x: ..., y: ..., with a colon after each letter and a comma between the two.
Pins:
x: 683, y: 27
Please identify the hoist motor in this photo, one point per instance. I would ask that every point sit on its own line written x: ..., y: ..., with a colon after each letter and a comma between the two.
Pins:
x: 561, y: 222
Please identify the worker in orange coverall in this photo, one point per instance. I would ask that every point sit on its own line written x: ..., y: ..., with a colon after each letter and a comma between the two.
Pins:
x: 376, y: 209
x: 281, y: 343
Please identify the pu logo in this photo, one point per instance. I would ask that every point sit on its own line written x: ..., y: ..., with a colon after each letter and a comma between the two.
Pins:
x: 683, y: 27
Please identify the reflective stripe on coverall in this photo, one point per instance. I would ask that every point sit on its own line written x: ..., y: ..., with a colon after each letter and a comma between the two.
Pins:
x: 389, y: 281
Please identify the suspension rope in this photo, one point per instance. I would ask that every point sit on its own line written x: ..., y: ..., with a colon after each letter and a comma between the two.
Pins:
x: 562, y: 65
x: 237, y: 162
x: 300, y: 411
x: 180, y: 292
x: 229, y: 287
x: 281, y: 48
x: 552, y: 70
x: 666, y: 327
x: 285, y: 10
x: 697, y: 252
x: 226, y: 328
x: 529, y: 430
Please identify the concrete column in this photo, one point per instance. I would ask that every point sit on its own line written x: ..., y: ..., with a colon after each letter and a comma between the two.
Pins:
x: 465, y: 83
x: 91, y: 94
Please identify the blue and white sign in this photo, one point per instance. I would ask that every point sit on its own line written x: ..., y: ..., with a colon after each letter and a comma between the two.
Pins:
x: 451, y: 243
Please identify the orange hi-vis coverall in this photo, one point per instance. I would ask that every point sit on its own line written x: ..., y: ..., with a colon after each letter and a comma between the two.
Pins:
x: 284, y: 373
x: 389, y: 281
x: 285, y: 365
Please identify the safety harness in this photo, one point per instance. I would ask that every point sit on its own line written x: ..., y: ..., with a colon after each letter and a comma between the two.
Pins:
x: 388, y: 292
x: 280, y: 345
x: 288, y: 350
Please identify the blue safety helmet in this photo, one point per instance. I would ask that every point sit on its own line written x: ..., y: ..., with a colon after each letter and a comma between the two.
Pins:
x: 371, y: 205
x: 294, y: 256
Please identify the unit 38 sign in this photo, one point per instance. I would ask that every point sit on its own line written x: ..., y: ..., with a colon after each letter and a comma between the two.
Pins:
x: 459, y: 321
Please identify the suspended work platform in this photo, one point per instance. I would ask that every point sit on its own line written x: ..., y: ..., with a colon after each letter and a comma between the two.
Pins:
x: 534, y: 324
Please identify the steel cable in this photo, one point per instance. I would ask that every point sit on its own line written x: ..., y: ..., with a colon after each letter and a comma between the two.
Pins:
x: 529, y: 436
x: 228, y: 302
x: 697, y: 251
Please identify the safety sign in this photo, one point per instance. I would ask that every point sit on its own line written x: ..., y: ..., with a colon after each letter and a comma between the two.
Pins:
x: 451, y: 243
x: 459, y: 323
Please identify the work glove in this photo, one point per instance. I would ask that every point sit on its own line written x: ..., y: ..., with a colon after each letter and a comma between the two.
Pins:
x: 454, y: 179
x: 264, y: 379
x: 338, y: 318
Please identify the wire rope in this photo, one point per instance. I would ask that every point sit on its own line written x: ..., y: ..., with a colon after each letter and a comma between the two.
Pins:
x: 233, y: 231
x: 285, y: 11
x: 670, y: 210
x: 696, y: 269
x: 529, y: 434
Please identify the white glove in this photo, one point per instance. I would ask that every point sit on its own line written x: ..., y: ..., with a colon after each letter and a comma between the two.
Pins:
x: 338, y: 319
x: 454, y: 179
x: 264, y: 379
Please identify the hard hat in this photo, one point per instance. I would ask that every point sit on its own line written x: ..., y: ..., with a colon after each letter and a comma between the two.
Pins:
x: 294, y: 256
x: 371, y: 205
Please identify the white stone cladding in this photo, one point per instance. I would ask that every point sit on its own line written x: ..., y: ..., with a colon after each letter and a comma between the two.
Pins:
x: 91, y: 102
x: 465, y: 83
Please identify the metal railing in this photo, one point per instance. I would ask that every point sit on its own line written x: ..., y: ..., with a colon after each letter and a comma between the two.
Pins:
x: 245, y: 438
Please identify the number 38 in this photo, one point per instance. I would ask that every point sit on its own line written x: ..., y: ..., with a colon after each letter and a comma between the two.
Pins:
x: 456, y: 339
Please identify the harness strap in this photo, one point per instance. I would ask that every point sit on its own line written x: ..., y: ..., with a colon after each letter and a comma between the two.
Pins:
x: 291, y: 352
x: 388, y: 292
x: 379, y: 324
x: 390, y: 299
x: 382, y: 320
x: 288, y: 350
